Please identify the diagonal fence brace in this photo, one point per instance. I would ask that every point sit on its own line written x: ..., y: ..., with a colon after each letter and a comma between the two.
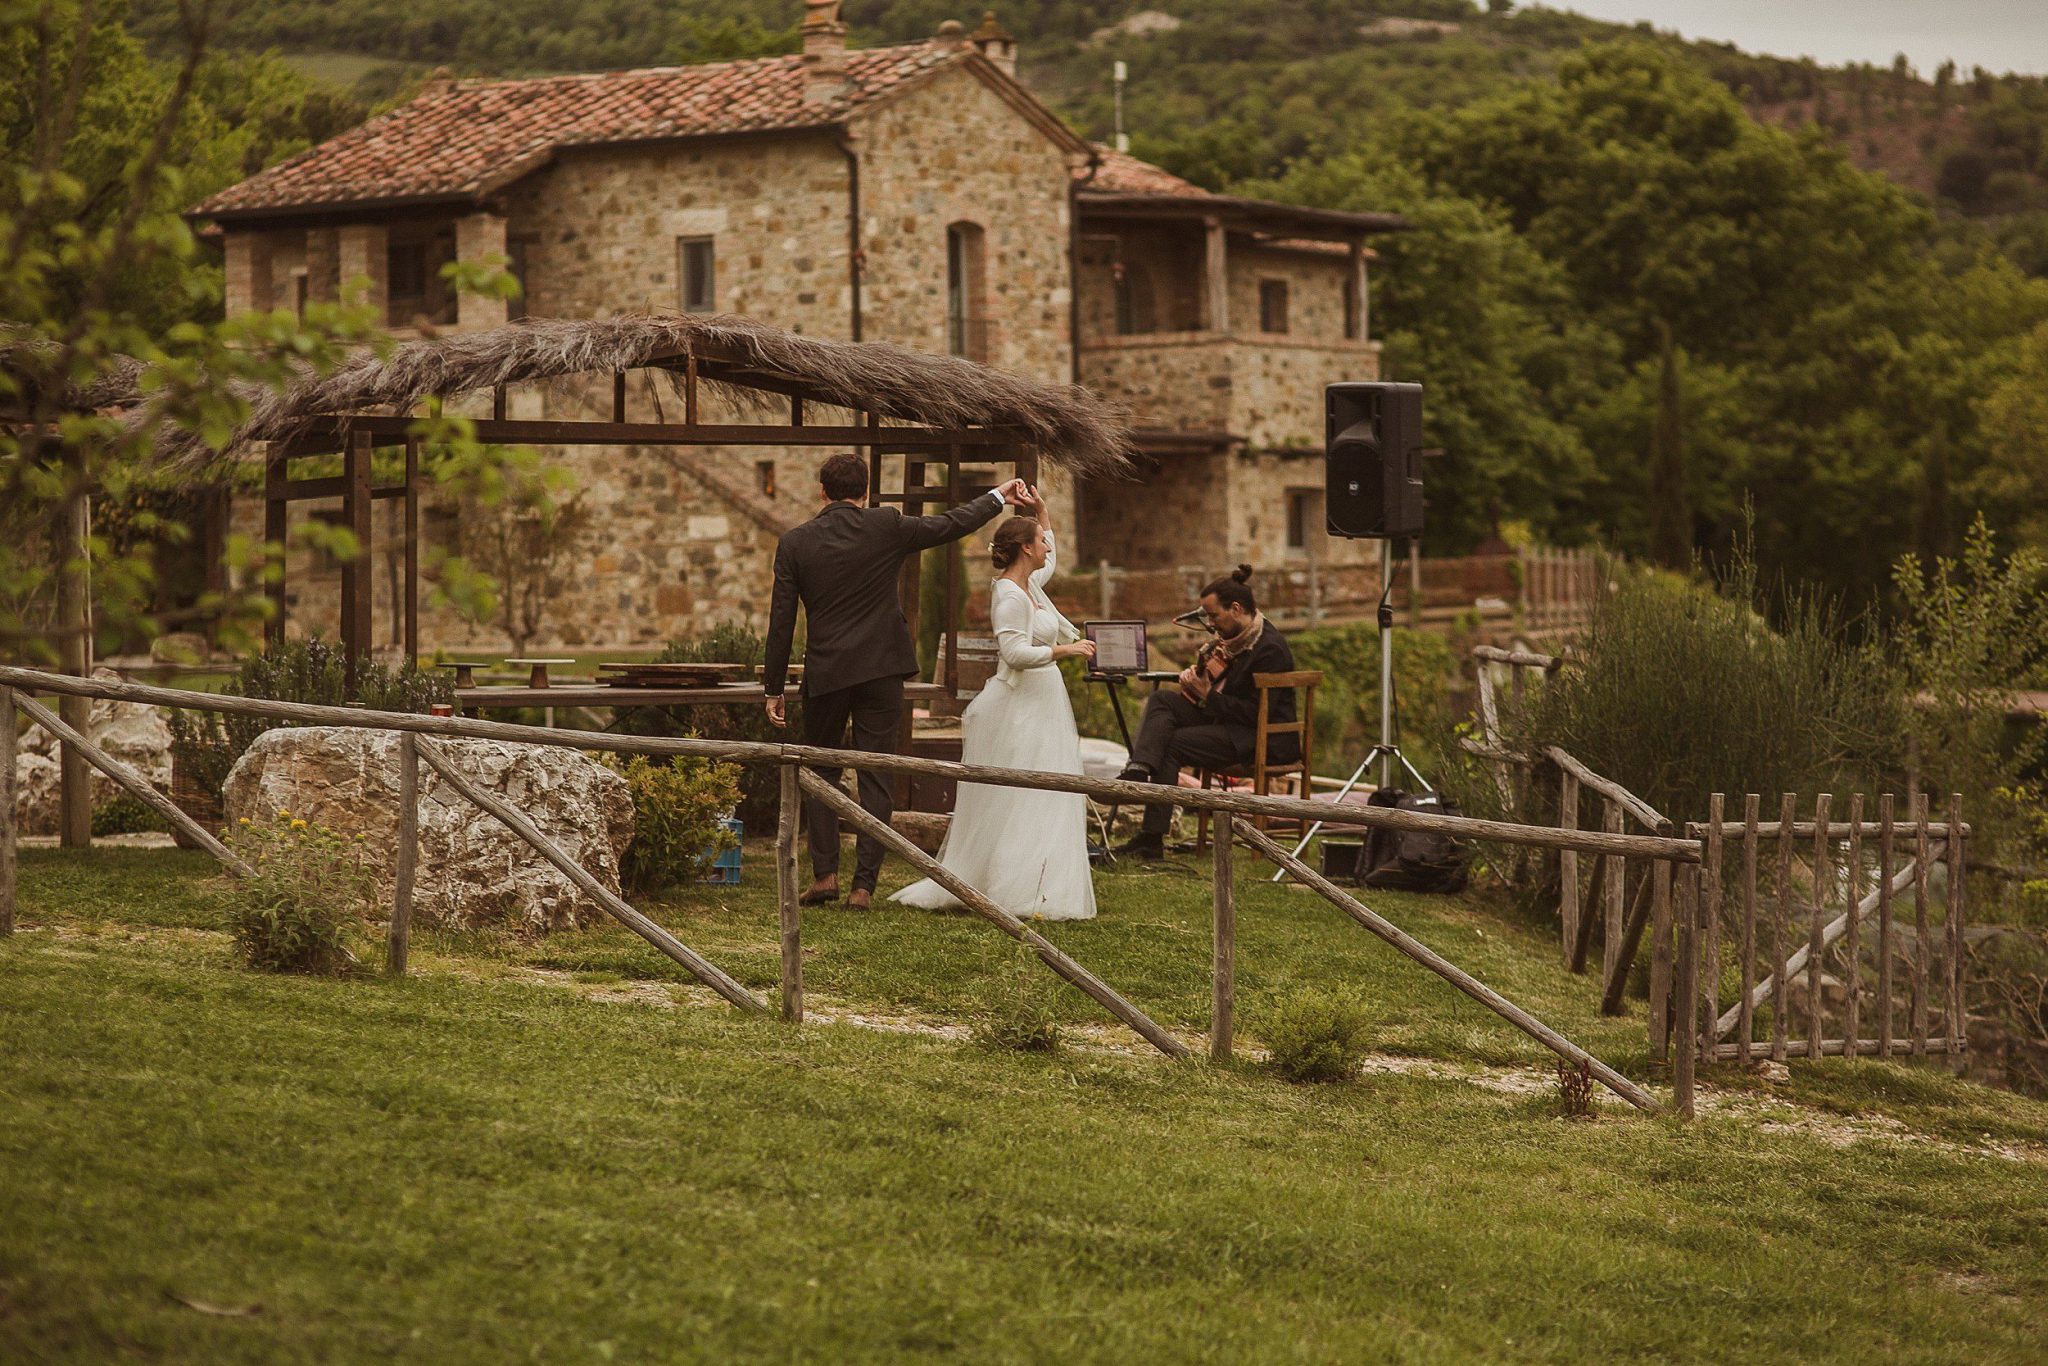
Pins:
x: 695, y: 963
x: 1088, y: 983
x: 1451, y: 972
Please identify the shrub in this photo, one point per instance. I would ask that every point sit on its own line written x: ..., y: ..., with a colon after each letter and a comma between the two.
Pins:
x: 123, y: 814
x: 1968, y: 631
x: 726, y: 643
x: 1317, y: 1035
x: 1019, y: 1016
x: 1574, y: 1089
x: 1679, y: 689
x: 1348, y: 706
x: 678, y: 808
x: 205, y: 745
x: 310, y: 884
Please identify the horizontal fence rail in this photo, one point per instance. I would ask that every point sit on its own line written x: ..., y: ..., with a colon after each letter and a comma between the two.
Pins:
x: 763, y: 752
x: 1608, y: 846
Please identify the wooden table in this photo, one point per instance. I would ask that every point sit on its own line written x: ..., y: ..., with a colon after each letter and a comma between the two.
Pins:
x: 598, y: 695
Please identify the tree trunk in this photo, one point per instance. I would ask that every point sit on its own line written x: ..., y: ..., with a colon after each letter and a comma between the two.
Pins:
x: 1670, y: 503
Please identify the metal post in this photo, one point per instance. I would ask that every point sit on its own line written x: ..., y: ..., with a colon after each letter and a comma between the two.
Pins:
x: 1388, y: 773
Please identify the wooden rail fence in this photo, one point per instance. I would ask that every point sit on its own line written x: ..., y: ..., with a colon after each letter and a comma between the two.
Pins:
x: 418, y: 746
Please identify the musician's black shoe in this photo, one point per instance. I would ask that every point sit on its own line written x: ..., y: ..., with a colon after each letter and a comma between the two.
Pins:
x: 1145, y: 848
x: 1135, y: 773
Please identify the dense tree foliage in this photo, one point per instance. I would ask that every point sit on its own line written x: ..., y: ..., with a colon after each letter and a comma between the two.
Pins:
x: 1645, y: 314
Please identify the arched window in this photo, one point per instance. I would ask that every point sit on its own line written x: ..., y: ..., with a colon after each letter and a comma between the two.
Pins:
x: 966, y: 291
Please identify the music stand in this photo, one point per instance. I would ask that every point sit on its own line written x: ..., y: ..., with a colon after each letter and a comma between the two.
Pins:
x: 1121, y: 652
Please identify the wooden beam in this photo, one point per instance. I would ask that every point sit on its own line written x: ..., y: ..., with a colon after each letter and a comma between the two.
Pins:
x: 1223, y: 946
x: 358, y: 579
x: 1215, y: 277
x: 987, y: 442
x: 276, y: 532
x: 133, y: 783
x: 1464, y: 981
x: 74, y: 648
x: 400, y: 938
x: 789, y: 910
x: 698, y: 966
x: 1089, y: 984
x: 745, y: 751
x: 412, y: 552
x: 10, y: 726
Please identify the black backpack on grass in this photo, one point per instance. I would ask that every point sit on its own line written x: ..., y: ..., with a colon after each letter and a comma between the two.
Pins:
x: 1413, y: 860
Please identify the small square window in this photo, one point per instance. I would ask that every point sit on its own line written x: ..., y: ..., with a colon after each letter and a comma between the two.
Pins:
x: 1272, y: 305
x: 696, y: 274
x: 764, y: 476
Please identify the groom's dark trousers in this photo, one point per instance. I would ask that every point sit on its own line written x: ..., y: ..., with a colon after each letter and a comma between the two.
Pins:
x: 842, y: 566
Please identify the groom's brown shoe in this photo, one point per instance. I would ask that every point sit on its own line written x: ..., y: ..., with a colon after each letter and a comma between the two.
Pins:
x: 823, y: 890
x: 859, y: 899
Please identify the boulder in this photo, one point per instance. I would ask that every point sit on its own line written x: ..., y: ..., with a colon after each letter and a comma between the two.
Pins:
x: 472, y: 870
x: 130, y: 732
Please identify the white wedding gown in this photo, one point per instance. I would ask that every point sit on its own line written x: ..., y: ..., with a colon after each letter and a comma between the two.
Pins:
x: 1027, y: 850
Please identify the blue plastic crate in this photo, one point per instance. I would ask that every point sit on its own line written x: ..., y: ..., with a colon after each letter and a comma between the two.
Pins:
x: 725, y: 869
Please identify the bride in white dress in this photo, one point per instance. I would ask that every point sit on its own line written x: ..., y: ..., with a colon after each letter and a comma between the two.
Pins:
x: 1027, y: 850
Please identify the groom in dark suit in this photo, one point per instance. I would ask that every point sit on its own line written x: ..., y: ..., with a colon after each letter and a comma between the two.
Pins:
x: 842, y: 565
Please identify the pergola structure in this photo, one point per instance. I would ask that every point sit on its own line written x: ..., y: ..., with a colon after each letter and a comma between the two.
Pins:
x: 912, y: 416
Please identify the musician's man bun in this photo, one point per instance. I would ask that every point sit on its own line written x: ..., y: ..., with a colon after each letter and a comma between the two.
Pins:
x: 1234, y: 589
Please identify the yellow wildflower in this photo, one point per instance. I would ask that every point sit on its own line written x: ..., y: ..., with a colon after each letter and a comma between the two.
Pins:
x: 298, y: 825
x: 245, y: 820
x: 283, y: 814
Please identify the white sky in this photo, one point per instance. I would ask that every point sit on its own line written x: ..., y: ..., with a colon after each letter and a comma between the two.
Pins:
x: 1998, y: 35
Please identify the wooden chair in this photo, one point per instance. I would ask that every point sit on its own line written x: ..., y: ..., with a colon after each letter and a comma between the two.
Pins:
x: 1296, y: 774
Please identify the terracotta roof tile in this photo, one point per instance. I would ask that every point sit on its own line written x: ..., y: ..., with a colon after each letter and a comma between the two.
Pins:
x: 464, y: 138
x: 1122, y: 173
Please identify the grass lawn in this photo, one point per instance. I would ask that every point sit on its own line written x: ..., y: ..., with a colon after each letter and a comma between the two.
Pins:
x: 557, y: 1150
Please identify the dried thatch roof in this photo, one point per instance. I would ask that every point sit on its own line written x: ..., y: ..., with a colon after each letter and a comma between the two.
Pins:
x: 1065, y: 424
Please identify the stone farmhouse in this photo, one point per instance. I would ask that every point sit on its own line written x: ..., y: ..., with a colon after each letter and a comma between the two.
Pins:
x: 916, y: 194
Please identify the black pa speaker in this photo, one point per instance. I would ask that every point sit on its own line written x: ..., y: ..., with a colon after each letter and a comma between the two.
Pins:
x: 1372, y: 459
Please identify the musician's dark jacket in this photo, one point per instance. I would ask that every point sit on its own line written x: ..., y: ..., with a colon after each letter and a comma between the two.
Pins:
x: 1234, y: 700
x: 843, y: 566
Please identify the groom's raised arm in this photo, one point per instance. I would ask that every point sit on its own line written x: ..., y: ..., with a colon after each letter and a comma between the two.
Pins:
x: 922, y: 533
x: 781, y: 625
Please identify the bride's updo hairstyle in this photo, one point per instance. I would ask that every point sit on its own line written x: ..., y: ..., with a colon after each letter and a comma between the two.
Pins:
x: 1010, y: 539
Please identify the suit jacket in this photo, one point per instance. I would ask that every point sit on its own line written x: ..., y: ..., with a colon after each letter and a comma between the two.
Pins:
x: 1234, y: 701
x: 842, y: 566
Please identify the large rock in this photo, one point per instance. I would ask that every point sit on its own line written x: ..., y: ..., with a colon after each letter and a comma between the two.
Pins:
x: 130, y: 732
x: 472, y: 870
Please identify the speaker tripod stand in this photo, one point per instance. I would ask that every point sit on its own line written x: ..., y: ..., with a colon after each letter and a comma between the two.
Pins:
x: 1387, y: 752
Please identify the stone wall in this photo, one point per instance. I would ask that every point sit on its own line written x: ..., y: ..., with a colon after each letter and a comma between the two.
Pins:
x: 685, y: 538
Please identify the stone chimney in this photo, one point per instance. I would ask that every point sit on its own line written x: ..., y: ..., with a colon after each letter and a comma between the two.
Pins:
x: 824, y: 51
x: 996, y: 44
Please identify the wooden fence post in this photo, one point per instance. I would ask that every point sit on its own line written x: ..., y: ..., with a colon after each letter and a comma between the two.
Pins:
x: 1852, y: 951
x: 8, y: 726
x: 1958, y: 1019
x: 1660, y: 959
x: 1885, y: 832
x: 408, y: 853
x: 1816, y: 946
x: 1567, y: 864
x: 1223, y: 961
x: 1788, y: 812
x: 788, y: 809
x: 1746, y: 1009
x: 1710, y: 915
x: 1616, y: 896
x: 1685, y: 1048
x: 1919, y: 959
x: 135, y: 784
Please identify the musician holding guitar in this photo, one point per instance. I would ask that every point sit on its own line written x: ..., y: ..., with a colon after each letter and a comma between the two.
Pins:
x: 1212, y: 722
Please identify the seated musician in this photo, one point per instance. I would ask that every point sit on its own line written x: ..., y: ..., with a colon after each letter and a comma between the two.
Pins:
x: 1212, y: 722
